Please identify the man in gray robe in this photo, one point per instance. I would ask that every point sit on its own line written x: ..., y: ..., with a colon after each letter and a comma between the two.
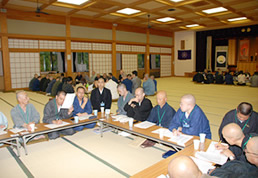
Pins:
x: 123, y: 99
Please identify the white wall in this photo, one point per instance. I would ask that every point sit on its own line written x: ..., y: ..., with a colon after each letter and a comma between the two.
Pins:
x: 182, y: 66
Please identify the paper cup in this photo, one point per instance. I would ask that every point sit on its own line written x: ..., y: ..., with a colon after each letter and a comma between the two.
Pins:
x: 161, y: 133
x: 130, y: 123
x: 202, y: 137
x: 107, y: 111
x: 102, y: 109
x: 32, y: 126
x: 196, y: 144
x: 95, y: 112
x: 76, y: 119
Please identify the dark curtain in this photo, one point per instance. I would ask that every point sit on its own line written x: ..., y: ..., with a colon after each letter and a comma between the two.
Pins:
x: 63, y: 58
x: 201, y: 40
x: 74, y: 58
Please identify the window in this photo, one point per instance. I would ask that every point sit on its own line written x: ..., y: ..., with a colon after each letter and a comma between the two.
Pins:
x: 154, y: 61
x: 52, y: 61
x: 140, y: 61
x: 80, y: 62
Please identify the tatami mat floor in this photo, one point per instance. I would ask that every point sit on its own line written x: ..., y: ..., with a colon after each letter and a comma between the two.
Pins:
x: 86, y: 154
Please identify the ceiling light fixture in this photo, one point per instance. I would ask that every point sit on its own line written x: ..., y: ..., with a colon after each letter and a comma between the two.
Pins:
x: 165, y: 19
x: 128, y: 11
x: 176, y: 0
x: 214, y: 10
x: 236, y: 19
x: 192, y: 25
x: 76, y: 2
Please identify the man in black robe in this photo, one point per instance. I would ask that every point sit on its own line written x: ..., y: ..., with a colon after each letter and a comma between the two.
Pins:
x: 139, y: 107
x: 101, y: 96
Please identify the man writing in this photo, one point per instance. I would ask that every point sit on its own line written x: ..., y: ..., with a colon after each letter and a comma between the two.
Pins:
x: 53, y: 114
x: 190, y: 119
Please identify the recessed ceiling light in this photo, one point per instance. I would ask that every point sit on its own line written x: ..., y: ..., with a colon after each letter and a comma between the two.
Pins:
x: 214, y: 10
x: 76, y: 2
x: 176, y: 0
x: 192, y: 25
x: 236, y: 19
x: 166, y: 19
x: 128, y: 11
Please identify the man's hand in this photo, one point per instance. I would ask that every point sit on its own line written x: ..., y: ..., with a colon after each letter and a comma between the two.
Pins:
x: 57, y: 122
x: 2, y: 126
x: 133, y: 100
x: 85, y: 99
x: 177, y: 132
x: 82, y: 114
x: 220, y: 146
x: 228, y: 153
x: 70, y: 110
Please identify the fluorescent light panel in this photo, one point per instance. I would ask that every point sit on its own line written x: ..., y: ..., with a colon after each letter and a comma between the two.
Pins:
x: 214, y: 10
x: 176, y: 0
x: 128, y: 11
x: 166, y: 19
x: 192, y: 25
x: 236, y: 19
x: 76, y: 2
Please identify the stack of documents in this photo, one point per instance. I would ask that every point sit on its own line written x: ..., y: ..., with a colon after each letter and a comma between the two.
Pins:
x: 68, y: 102
x: 144, y: 125
x: 212, y: 155
x: 204, y: 166
x: 166, y: 132
x: 16, y: 130
x: 121, y: 118
x: 52, y: 126
x: 81, y: 118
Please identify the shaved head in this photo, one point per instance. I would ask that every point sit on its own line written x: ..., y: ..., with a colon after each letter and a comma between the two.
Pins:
x: 183, y: 167
x: 233, y: 133
x: 161, y: 98
x: 187, y: 103
x: 252, y: 150
x: 22, y: 97
x: 190, y: 99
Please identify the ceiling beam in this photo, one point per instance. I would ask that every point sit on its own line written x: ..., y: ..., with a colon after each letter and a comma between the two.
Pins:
x: 4, y: 2
x: 46, y: 5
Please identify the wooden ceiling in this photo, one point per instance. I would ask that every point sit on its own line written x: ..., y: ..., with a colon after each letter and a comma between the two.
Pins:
x: 185, y: 12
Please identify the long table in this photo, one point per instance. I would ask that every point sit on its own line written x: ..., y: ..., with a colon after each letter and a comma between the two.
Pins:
x: 10, y: 139
x: 146, y: 133
x: 162, y: 166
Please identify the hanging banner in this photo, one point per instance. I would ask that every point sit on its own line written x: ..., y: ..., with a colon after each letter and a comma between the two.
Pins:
x: 243, y: 50
x: 221, y: 57
x: 184, y: 54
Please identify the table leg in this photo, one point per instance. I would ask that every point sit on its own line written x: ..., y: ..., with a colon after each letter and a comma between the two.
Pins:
x: 18, y: 146
x: 101, y: 129
x: 25, y: 145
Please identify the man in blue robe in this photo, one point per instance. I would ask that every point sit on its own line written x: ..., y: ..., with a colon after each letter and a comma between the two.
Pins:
x: 148, y: 85
x: 163, y: 113
x: 82, y: 107
x: 190, y: 119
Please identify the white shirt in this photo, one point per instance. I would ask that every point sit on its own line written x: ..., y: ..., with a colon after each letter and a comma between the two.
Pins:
x: 112, y: 86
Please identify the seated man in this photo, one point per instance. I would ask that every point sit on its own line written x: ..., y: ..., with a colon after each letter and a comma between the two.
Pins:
x: 139, y: 107
x: 127, y: 82
x: 3, y: 123
x: 124, y: 98
x: 82, y: 107
x: 136, y: 81
x: 113, y: 78
x: 24, y: 113
x: 35, y: 85
x: 55, y: 86
x: 32, y: 81
x: 50, y: 85
x: 254, y: 80
x: 190, y: 119
x: 241, y: 78
x: 163, y: 113
x: 148, y: 85
x: 42, y: 81
x: 234, y: 135
x: 112, y: 86
x: 101, y: 96
x: 53, y: 114
x: 67, y: 86
x: 155, y: 82
x: 241, y: 169
x: 184, y: 167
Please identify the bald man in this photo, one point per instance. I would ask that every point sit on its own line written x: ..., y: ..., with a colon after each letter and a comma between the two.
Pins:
x: 139, y: 107
x: 184, y: 167
x: 241, y: 169
x: 163, y: 113
x: 24, y: 113
x: 125, y: 97
x: 190, y: 119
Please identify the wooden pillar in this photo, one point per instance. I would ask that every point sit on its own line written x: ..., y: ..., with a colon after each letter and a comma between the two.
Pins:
x: 68, y: 52
x: 114, y: 51
x: 147, y: 56
x: 5, y: 53
x: 173, y: 57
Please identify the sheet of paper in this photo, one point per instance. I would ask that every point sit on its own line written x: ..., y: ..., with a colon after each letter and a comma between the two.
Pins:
x: 121, y: 118
x: 204, y: 166
x: 163, y: 176
x: 3, y: 132
x: 52, y: 126
x: 211, y: 157
x: 16, y: 130
x: 81, y: 118
x: 124, y: 134
x: 144, y: 125
x: 212, y: 148
x: 68, y: 102
x: 181, y: 139
x: 167, y: 132
x: 90, y: 88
